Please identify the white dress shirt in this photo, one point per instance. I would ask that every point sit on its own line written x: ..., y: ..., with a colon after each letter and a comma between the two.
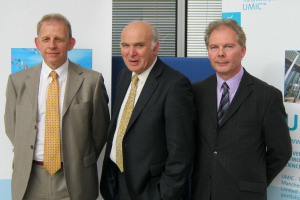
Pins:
x: 142, y: 79
x: 45, y: 80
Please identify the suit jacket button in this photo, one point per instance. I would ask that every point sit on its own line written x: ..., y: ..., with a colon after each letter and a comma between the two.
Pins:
x: 31, y: 146
x: 215, y: 153
x: 35, y: 127
x: 209, y: 175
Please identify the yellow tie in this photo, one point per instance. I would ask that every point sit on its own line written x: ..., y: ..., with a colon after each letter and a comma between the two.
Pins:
x: 124, y: 122
x: 52, y: 156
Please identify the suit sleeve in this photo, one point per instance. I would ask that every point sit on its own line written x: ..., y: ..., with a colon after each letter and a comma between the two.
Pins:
x: 10, y: 110
x: 180, y: 120
x: 277, y: 137
x: 101, y: 117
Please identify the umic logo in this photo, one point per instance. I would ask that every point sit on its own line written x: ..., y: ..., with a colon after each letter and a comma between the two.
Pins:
x: 253, y: 6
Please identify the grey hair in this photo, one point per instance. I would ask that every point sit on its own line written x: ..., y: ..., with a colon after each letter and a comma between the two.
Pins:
x: 56, y: 17
x: 155, y: 36
x: 240, y: 34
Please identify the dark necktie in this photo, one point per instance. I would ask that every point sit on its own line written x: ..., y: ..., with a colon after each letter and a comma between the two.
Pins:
x: 224, y: 103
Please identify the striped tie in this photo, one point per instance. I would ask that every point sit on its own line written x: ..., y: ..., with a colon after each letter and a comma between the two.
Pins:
x: 52, y: 156
x: 124, y: 122
x: 224, y: 103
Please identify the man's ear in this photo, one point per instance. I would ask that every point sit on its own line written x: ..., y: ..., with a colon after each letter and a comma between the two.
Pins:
x: 37, y: 43
x: 72, y: 43
x: 156, y: 48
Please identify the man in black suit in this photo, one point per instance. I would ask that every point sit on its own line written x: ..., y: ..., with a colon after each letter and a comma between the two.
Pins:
x: 158, y: 142
x: 243, y: 142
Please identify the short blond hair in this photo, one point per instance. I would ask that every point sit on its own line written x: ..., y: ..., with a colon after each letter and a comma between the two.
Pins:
x: 56, y: 17
x: 241, y: 36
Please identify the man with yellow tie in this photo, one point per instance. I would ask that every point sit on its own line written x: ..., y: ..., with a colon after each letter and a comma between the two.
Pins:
x: 150, y: 144
x: 56, y: 117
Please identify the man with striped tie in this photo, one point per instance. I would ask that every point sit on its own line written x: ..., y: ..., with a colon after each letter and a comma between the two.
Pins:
x: 243, y: 140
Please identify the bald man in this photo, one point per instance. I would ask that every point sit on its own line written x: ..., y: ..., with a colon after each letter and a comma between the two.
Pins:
x: 157, y: 142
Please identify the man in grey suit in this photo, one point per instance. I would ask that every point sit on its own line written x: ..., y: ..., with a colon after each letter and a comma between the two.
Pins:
x: 83, y: 120
x: 243, y: 140
x: 158, y: 143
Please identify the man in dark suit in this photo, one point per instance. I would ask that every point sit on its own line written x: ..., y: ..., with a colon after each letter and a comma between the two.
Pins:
x: 158, y: 139
x: 81, y: 121
x: 243, y: 142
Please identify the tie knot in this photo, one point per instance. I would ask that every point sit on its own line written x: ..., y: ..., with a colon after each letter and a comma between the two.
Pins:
x: 135, y: 79
x: 225, y: 86
x: 53, y: 74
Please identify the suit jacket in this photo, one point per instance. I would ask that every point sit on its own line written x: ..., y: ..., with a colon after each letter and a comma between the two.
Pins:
x: 239, y: 159
x: 85, y: 119
x: 158, y: 145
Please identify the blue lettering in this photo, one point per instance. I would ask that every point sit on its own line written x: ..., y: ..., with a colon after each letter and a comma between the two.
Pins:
x: 293, y: 159
x: 287, y: 177
x: 253, y: 6
x: 295, y: 122
x: 295, y: 141
x: 296, y: 153
x: 248, y: 6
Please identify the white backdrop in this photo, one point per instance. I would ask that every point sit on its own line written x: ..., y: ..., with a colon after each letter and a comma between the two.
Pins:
x: 272, y: 27
x: 91, y: 22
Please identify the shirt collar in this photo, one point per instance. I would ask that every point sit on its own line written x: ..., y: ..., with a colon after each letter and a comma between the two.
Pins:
x: 144, y: 75
x: 61, y: 71
x: 233, y: 83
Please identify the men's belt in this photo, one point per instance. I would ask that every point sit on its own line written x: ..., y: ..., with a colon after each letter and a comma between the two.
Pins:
x: 41, y: 163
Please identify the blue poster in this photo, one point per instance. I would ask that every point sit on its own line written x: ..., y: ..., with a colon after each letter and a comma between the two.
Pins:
x: 22, y: 58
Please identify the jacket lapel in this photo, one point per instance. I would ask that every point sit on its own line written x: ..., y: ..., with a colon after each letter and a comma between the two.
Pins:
x: 74, y: 82
x: 211, y: 101
x: 241, y: 95
x: 147, y: 91
x: 32, y: 82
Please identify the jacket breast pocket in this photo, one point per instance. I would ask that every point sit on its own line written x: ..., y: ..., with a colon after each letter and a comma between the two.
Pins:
x: 81, y: 113
x: 81, y: 106
x: 153, y: 108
